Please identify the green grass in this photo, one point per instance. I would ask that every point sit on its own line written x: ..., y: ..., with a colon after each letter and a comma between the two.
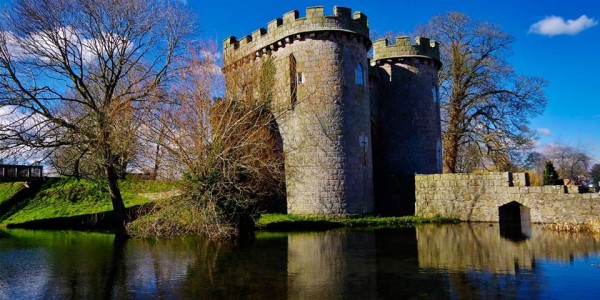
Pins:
x: 9, y: 189
x: 294, y: 222
x: 70, y: 197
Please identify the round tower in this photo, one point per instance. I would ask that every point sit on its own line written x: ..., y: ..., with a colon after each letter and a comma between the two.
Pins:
x: 407, y: 125
x: 314, y: 70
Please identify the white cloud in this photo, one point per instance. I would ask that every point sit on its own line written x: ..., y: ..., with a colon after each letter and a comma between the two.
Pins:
x: 554, y: 25
x: 28, y: 47
x: 544, y: 131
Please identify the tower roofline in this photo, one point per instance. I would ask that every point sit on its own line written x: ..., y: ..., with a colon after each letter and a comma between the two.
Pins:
x: 422, y: 48
x: 291, y: 27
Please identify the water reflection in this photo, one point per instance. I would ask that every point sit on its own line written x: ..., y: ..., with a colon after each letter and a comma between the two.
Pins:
x: 336, y: 263
x: 436, y: 262
x: 465, y: 247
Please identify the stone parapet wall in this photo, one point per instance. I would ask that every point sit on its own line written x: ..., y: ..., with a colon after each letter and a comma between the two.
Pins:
x: 423, y: 47
x: 472, y: 197
x: 280, y: 32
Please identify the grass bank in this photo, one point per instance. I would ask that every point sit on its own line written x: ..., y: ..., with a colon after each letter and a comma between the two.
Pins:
x: 9, y: 189
x: 63, y: 201
x: 68, y: 197
x: 282, y: 222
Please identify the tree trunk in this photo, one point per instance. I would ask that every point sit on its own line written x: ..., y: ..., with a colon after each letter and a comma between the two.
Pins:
x: 156, y: 162
x: 115, y: 197
x: 450, y: 154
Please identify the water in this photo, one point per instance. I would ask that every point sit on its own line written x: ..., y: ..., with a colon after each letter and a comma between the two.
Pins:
x: 464, y: 261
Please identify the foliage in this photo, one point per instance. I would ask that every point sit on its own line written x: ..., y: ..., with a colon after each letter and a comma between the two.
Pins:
x: 535, y: 178
x: 180, y: 216
x: 485, y: 105
x: 550, y: 174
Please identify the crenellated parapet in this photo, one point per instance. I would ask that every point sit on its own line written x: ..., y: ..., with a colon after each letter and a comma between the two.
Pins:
x: 403, y: 48
x: 291, y: 27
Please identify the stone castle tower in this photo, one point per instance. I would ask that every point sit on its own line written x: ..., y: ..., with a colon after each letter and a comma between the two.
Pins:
x: 330, y: 103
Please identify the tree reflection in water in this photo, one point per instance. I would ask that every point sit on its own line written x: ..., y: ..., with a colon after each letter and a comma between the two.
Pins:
x: 449, y: 261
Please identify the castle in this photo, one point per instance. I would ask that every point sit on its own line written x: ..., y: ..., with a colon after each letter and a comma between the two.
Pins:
x: 355, y: 129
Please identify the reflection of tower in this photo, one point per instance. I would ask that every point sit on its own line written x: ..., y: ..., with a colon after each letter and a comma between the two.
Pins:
x: 406, y: 118
x: 332, y: 264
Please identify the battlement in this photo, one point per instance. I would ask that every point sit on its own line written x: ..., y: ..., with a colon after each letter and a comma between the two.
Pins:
x: 423, y: 47
x: 291, y: 27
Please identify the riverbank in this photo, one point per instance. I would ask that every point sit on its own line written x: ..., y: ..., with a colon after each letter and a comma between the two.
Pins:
x: 283, y: 222
x: 68, y: 203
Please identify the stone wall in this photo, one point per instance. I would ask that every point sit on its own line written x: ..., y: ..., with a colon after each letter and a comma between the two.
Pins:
x: 324, y: 117
x: 471, y: 197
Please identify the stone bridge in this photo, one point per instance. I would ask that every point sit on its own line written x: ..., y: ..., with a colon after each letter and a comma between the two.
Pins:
x: 491, y: 197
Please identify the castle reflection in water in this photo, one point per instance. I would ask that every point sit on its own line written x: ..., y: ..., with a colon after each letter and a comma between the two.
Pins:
x: 433, y: 261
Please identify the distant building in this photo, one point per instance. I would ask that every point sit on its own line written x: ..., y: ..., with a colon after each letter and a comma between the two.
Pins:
x: 354, y: 129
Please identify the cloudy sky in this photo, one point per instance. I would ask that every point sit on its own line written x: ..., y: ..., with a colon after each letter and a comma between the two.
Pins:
x: 557, y: 40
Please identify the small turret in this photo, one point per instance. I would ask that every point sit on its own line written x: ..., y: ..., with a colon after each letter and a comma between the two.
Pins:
x: 423, y: 48
x: 407, y: 114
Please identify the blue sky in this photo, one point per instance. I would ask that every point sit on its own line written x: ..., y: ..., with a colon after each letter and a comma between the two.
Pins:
x: 569, y: 62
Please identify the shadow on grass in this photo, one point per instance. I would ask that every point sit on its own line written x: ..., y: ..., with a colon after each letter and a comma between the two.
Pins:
x: 99, y: 221
x: 19, y: 200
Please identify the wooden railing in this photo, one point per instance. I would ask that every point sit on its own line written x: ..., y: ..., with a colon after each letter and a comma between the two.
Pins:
x: 20, y: 173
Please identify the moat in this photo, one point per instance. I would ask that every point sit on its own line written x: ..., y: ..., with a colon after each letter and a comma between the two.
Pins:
x: 430, y: 261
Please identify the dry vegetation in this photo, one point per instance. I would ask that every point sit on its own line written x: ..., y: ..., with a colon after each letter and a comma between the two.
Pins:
x: 586, y: 227
x: 230, y: 155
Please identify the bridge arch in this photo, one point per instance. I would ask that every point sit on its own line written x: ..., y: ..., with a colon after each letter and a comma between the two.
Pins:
x: 515, y: 221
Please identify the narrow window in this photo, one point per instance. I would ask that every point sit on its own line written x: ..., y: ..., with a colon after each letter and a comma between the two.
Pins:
x: 300, y: 78
x: 293, y: 81
x: 359, y: 75
x: 436, y: 94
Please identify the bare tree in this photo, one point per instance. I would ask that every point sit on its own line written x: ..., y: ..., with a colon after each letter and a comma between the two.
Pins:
x: 227, y: 149
x: 571, y: 162
x: 74, y: 72
x: 484, y: 103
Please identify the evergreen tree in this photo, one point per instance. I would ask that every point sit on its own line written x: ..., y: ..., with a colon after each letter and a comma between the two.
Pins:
x: 550, y: 174
x: 595, y: 173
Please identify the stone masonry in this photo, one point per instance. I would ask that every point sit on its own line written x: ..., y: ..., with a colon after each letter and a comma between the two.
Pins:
x: 471, y: 197
x: 315, y: 70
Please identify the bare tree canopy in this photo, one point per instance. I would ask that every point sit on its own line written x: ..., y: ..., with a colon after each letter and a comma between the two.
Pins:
x: 82, y: 73
x: 485, y: 104
x: 571, y: 162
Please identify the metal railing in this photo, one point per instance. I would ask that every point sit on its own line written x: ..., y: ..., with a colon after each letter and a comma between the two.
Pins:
x: 20, y: 173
